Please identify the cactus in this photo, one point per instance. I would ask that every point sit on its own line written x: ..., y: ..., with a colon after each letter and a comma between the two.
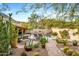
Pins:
x: 7, y: 34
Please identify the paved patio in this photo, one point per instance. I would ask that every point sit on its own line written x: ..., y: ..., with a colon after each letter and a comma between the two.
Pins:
x: 52, y: 49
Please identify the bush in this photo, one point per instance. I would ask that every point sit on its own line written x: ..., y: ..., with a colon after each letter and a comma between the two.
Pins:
x: 54, y: 33
x: 75, y: 33
x: 36, y: 54
x: 74, y: 54
x: 64, y: 34
x: 64, y: 42
x: 69, y: 52
x: 61, y: 41
x: 65, y: 49
x: 23, y: 54
x: 75, y: 43
x: 36, y: 45
x: 77, y: 53
x: 43, y: 40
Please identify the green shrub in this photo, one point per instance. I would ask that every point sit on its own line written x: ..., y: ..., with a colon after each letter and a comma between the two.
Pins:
x: 75, y: 43
x: 75, y: 33
x: 23, y: 54
x: 61, y: 41
x: 8, y: 33
x: 54, y: 33
x: 57, y: 40
x: 74, y: 54
x: 65, y: 49
x: 43, y: 40
x: 36, y: 45
x: 64, y: 34
x: 69, y: 52
x: 30, y: 45
x: 64, y: 42
x: 77, y: 53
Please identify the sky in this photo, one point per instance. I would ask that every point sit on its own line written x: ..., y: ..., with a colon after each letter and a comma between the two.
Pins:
x: 14, y: 7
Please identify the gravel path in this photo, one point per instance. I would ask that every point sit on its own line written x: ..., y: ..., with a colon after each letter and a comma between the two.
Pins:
x: 52, y: 49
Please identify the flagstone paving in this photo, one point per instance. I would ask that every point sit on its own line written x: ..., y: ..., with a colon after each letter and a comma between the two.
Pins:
x: 52, y: 48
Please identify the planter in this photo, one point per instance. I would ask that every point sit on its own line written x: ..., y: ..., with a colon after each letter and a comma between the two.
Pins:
x: 13, y: 43
x: 28, y: 49
x: 43, y: 45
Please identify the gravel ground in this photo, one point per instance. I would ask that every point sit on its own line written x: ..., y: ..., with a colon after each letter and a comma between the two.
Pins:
x: 18, y: 51
x: 70, y: 46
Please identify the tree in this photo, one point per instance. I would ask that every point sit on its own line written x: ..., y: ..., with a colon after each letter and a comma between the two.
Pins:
x: 33, y: 20
x: 4, y: 7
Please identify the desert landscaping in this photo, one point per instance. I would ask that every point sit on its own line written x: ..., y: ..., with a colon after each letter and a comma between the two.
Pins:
x: 39, y: 29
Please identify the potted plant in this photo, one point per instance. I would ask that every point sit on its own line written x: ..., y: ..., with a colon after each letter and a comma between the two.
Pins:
x: 28, y: 47
x: 43, y: 41
x: 43, y: 45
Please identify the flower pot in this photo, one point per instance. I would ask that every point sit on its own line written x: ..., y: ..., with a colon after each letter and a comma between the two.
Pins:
x: 28, y: 49
x: 13, y: 43
x: 43, y: 45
